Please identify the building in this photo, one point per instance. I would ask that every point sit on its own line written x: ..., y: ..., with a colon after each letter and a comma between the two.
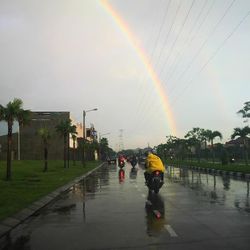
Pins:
x: 31, y: 145
x: 28, y: 145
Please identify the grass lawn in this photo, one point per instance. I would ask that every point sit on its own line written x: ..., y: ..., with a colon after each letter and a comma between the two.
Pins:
x: 29, y: 182
x: 229, y: 167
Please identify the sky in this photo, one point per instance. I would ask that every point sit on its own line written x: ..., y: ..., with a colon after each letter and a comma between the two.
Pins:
x: 153, y: 68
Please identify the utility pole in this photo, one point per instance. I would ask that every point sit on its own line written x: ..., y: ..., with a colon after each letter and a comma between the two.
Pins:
x: 121, y: 145
x: 84, y: 131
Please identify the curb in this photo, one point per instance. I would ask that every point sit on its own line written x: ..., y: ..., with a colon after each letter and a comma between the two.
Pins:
x: 211, y: 171
x: 14, y: 220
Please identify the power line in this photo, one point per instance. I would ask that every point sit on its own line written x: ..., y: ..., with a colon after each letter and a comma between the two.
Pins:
x: 179, y: 32
x: 180, y: 53
x: 177, y: 37
x: 147, y: 106
x: 167, y: 36
x: 214, y: 54
x: 150, y: 58
x: 142, y: 77
x: 202, y: 46
x: 160, y: 31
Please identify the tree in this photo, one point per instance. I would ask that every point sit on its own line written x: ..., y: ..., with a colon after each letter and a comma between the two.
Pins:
x: 91, y: 148
x: 65, y: 128
x: 195, y: 136
x: 104, y: 148
x: 13, y: 111
x: 211, y: 136
x: 243, y: 133
x: 205, y: 134
x: 245, y: 112
x: 45, y: 135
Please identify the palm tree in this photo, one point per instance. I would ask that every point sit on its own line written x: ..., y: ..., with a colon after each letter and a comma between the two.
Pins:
x: 205, y: 136
x: 243, y: 133
x: 45, y: 135
x: 245, y: 112
x: 104, y: 145
x: 211, y: 136
x: 65, y: 128
x: 13, y: 112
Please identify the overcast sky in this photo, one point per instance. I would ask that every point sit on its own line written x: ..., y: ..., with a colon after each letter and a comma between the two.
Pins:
x: 60, y: 55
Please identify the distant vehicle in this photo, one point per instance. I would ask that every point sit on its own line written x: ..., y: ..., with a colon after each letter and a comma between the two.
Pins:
x: 142, y: 160
x: 111, y: 160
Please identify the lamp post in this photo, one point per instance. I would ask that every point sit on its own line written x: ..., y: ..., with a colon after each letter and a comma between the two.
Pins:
x: 84, y: 130
x: 100, y: 136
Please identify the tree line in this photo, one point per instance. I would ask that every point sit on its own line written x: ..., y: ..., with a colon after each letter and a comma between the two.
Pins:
x: 195, y: 143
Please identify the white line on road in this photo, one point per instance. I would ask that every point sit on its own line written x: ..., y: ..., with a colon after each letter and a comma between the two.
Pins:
x: 171, y: 231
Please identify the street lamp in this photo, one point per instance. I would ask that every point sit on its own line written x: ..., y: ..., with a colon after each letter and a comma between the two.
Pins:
x: 100, y: 135
x: 84, y: 129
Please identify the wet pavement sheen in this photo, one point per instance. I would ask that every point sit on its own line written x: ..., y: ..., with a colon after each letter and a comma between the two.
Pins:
x: 112, y: 209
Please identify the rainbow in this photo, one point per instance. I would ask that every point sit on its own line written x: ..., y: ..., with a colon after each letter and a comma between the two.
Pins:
x: 144, y: 58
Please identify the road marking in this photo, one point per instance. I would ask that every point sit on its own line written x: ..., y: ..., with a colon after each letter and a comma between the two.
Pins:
x: 171, y: 231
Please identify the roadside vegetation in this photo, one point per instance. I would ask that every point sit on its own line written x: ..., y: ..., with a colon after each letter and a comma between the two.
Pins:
x: 29, y: 182
x: 197, y: 148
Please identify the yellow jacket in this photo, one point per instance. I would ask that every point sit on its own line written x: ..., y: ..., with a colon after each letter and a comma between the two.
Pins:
x: 153, y: 163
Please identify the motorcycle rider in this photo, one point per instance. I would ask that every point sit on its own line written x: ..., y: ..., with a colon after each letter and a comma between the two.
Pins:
x: 153, y: 163
x: 133, y: 161
x: 121, y: 160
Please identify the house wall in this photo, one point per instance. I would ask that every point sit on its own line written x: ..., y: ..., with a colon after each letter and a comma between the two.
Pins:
x: 31, y: 143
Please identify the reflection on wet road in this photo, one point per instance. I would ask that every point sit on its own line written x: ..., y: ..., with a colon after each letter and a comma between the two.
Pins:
x: 112, y: 209
x: 222, y: 190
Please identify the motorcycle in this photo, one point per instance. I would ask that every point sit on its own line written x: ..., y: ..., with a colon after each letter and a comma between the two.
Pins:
x: 155, y: 181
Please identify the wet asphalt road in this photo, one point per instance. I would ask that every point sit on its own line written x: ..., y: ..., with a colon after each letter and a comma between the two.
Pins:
x: 109, y: 211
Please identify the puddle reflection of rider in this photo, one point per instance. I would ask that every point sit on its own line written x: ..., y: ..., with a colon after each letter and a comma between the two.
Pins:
x: 133, y: 173
x: 155, y: 214
x: 121, y: 175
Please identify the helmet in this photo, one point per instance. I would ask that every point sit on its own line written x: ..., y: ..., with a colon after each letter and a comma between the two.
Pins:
x: 147, y: 152
x: 153, y: 151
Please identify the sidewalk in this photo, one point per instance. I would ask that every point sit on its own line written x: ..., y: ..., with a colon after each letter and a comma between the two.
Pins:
x: 13, y: 221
